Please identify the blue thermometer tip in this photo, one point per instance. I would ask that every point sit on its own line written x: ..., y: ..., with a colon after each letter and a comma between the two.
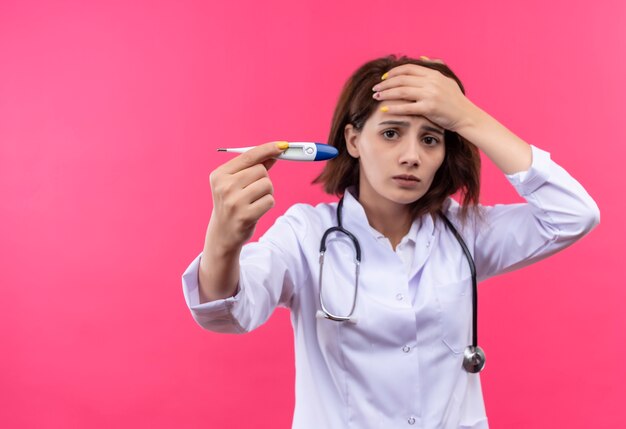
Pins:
x: 325, y: 152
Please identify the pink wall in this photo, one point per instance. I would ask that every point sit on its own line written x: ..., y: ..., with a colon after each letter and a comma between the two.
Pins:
x: 110, y: 114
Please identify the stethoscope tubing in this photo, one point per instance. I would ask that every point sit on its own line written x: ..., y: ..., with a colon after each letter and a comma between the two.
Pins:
x: 470, y: 261
x: 474, y: 356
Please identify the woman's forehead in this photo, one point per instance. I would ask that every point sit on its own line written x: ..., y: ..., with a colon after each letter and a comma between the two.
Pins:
x: 379, y: 117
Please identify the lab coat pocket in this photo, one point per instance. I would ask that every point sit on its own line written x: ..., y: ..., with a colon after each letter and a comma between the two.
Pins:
x: 455, y: 300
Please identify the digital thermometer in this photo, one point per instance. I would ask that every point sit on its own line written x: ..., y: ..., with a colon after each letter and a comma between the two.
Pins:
x: 298, y: 151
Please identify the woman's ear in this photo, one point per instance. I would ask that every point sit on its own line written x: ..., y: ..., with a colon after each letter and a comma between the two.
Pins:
x: 351, y: 136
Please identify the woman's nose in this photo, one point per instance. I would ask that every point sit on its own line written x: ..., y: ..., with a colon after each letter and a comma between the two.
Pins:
x: 410, y: 154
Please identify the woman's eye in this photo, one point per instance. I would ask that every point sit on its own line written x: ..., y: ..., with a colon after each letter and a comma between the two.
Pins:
x: 430, y: 141
x: 386, y: 133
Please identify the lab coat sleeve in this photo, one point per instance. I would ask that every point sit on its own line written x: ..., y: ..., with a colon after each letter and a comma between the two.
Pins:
x: 558, y: 211
x: 271, y: 270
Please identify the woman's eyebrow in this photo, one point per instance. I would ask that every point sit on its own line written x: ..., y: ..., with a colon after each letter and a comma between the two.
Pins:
x: 408, y: 124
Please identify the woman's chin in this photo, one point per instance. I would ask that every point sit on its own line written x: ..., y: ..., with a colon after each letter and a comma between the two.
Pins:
x: 405, y: 197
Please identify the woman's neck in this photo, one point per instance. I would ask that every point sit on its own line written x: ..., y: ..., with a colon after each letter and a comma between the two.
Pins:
x: 390, y: 219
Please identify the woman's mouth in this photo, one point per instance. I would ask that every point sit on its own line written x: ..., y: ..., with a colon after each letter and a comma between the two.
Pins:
x: 406, y: 180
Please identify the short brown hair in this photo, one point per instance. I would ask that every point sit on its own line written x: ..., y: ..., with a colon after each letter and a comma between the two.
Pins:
x: 459, y: 172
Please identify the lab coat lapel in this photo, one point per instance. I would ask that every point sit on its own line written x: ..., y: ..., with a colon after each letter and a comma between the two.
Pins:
x: 375, y: 254
x: 355, y: 219
x: 424, y: 243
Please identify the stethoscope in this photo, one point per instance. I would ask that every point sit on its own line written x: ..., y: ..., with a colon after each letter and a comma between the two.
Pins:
x: 473, y: 356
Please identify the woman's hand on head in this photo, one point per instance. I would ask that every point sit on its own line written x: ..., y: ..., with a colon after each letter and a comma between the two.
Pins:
x: 427, y: 93
x: 242, y: 193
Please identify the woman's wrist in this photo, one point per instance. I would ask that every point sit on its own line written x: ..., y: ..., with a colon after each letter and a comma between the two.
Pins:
x: 509, y: 152
x: 473, y: 119
x: 219, y: 246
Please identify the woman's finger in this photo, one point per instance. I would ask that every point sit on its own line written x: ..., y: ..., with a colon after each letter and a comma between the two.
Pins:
x: 269, y: 163
x: 261, y: 206
x: 256, y: 190
x: 408, y: 69
x: 432, y: 60
x: 414, y: 108
x: 257, y: 155
x: 249, y: 175
x: 402, y: 80
x: 399, y: 93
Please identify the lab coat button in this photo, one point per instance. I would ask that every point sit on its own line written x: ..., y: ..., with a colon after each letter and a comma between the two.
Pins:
x: 399, y: 297
x: 411, y: 420
x: 406, y: 349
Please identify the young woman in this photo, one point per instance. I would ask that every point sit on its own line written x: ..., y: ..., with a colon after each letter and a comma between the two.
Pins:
x: 395, y: 353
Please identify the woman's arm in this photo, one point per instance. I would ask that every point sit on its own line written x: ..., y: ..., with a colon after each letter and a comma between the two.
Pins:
x: 558, y: 210
x: 218, y: 272
x: 506, y: 150
x: 271, y: 271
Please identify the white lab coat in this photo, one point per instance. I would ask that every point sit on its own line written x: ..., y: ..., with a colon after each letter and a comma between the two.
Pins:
x: 399, y: 365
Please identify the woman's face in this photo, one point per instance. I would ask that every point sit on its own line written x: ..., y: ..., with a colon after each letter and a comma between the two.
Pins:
x: 398, y: 156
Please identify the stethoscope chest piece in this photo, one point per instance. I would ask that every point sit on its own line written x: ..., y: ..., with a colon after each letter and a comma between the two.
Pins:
x: 473, y: 359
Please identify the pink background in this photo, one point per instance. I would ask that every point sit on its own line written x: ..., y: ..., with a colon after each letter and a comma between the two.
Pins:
x: 110, y: 114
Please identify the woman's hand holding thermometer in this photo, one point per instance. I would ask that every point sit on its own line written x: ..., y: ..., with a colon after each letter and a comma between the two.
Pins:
x: 242, y: 193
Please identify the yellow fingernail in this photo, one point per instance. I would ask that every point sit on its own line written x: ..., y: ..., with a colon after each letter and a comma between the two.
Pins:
x: 423, y: 57
x: 385, y: 76
x: 384, y: 109
x: 282, y: 145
